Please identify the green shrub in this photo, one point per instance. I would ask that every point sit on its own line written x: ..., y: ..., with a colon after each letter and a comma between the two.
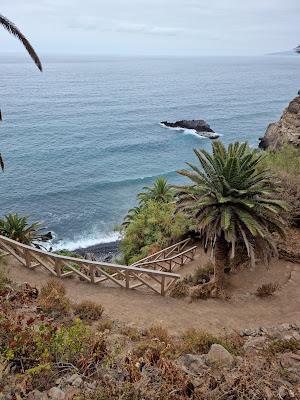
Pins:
x: 283, y: 160
x: 156, y: 226
x: 88, y: 310
x: 52, y: 299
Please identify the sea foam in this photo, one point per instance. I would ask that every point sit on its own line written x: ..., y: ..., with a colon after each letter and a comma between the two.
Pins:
x: 83, y: 241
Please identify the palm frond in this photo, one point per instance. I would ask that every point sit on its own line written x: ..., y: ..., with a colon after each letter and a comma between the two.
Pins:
x: 11, y: 28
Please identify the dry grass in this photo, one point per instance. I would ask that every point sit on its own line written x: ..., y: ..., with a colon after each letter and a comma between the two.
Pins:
x: 88, y: 310
x: 267, y: 289
x: 133, y: 333
x: 104, y: 325
x: 180, y: 289
x: 283, y: 346
x: 157, y: 332
x: 199, y: 342
x: 52, y: 299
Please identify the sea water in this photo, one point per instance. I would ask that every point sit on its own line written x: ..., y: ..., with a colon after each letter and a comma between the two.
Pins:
x: 81, y: 139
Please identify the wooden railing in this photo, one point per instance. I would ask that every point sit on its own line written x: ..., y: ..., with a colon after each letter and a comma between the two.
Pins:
x: 167, y: 252
x: 129, y: 277
x: 168, y: 258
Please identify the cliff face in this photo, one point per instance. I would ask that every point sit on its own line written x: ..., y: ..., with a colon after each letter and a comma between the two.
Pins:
x: 286, y: 130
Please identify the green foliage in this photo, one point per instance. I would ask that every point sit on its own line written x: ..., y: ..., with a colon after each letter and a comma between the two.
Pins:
x: 285, y: 160
x: 154, y: 227
x: 161, y: 191
x: 232, y: 200
x: 17, y: 228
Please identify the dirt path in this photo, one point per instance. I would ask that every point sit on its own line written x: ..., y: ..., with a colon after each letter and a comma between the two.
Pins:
x: 243, y: 310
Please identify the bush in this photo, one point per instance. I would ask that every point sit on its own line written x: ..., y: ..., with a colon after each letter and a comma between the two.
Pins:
x: 180, y: 289
x: 158, y: 332
x: 267, y: 289
x: 88, y: 310
x: 155, y: 226
x: 132, y: 332
x: 282, y: 346
x: 104, y: 325
x: 199, y: 342
x: 283, y: 160
x: 202, y: 274
x: 52, y: 299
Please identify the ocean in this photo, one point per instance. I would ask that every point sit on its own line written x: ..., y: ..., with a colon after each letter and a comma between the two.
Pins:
x: 81, y: 139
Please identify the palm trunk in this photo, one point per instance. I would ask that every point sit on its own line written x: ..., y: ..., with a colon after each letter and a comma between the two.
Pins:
x: 221, y: 261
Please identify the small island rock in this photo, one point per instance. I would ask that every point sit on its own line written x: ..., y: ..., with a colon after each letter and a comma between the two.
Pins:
x: 199, y: 125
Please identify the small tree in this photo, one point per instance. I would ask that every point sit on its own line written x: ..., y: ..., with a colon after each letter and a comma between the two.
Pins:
x: 232, y: 202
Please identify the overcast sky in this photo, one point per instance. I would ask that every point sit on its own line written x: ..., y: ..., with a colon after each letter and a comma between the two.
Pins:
x: 154, y: 27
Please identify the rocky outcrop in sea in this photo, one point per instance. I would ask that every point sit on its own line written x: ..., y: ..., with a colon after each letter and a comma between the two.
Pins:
x: 286, y: 130
x: 198, y: 125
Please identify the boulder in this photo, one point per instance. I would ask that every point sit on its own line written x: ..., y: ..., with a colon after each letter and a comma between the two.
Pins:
x: 199, y: 125
x: 219, y: 355
x: 192, y: 363
x: 286, y: 130
x: 254, y: 344
x: 56, y: 393
x: 37, y: 395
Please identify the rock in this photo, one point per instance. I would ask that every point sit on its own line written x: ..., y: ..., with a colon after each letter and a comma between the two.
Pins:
x: 56, y: 393
x: 192, y: 363
x: 75, y: 380
x: 254, y: 343
x: 199, y: 125
x: 286, y: 130
x: 219, y: 355
x: 37, y: 395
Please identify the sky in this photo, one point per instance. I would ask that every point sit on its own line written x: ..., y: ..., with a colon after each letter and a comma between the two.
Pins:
x: 154, y: 27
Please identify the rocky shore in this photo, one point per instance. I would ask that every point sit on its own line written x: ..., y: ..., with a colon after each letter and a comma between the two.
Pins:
x: 101, y: 252
x: 286, y: 130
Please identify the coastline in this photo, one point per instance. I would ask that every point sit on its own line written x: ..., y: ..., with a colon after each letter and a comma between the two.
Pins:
x: 102, y: 251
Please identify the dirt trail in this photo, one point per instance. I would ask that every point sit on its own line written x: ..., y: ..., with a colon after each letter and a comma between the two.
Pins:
x: 243, y: 310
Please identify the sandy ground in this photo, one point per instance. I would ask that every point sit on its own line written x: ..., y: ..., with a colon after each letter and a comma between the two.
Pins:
x: 141, y: 309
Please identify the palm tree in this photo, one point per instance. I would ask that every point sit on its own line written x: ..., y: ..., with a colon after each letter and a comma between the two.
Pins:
x: 11, y: 28
x: 233, y: 203
x: 17, y: 228
x: 160, y: 191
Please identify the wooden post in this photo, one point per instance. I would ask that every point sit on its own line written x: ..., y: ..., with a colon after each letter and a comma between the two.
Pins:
x: 162, y: 287
x: 27, y: 258
x: 92, y: 273
x: 58, y: 268
x: 127, y: 279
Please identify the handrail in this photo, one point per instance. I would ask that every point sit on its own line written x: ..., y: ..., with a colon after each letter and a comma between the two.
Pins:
x: 124, y: 276
x: 172, y: 247
x: 169, y: 258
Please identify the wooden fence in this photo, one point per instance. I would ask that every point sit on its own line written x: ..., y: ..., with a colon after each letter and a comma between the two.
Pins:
x: 169, y: 258
x: 129, y: 277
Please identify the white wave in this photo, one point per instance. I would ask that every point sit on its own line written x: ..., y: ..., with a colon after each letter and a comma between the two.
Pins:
x: 83, y: 241
x: 188, y: 131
